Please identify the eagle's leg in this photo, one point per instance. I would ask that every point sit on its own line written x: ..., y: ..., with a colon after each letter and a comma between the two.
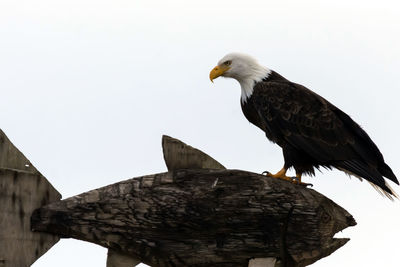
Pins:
x: 298, y: 176
x: 298, y: 180
x: 280, y: 175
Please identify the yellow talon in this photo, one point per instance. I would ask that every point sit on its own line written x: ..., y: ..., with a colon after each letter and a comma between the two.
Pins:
x: 280, y: 175
x: 299, y: 182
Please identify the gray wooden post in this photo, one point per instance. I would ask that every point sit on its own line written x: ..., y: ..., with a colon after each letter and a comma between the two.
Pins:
x: 22, y: 190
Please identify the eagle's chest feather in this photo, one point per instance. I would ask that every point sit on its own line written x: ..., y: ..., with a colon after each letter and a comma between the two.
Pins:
x: 252, y: 115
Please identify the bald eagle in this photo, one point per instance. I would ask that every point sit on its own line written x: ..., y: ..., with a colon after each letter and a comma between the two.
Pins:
x: 311, y: 131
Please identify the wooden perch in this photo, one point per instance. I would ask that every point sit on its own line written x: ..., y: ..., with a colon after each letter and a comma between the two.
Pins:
x: 191, y: 216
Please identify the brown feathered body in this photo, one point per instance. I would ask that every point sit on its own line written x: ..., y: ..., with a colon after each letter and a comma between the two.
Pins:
x: 312, y: 132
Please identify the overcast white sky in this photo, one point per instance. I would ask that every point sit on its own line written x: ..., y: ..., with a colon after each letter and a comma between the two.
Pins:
x: 88, y: 88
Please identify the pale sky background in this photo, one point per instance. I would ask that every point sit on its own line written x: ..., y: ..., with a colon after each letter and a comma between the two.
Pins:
x: 88, y: 88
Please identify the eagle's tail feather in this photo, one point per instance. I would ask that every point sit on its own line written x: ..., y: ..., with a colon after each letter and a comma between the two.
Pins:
x: 386, y: 171
x: 362, y: 170
x: 383, y: 192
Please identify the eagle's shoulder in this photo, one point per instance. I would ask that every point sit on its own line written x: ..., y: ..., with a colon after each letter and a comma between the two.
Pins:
x: 294, y: 110
x: 285, y: 95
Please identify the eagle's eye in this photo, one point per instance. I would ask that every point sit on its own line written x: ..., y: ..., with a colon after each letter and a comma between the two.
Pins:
x: 228, y: 62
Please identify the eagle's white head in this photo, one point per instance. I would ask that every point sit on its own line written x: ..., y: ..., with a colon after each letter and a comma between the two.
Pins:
x: 243, y: 68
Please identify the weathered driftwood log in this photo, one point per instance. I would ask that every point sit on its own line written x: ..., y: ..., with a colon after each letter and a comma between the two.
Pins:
x: 202, y: 217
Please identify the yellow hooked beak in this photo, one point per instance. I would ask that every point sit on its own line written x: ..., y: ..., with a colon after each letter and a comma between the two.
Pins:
x: 218, y: 71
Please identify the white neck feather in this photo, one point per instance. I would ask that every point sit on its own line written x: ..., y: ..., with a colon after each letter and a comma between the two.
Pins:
x: 245, y: 70
x: 247, y: 82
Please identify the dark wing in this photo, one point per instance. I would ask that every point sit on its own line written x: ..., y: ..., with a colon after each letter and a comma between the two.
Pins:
x: 311, y: 124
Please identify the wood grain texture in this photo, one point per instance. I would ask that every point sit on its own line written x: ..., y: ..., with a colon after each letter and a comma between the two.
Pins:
x: 200, y: 214
x: 22, y: 190
x: 202, y: 218
x: 178, y: 155
x: 118, y: 259
x: 262, y: 262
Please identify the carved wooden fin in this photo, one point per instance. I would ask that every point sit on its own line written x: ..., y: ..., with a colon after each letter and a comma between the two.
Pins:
x: 22, y: 190
x: 178, y: 155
